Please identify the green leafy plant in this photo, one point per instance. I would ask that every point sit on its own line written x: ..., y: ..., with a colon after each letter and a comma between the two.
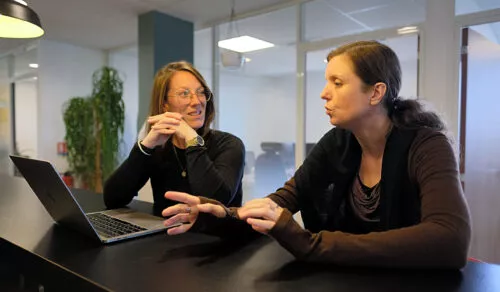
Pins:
x: 94, y: 128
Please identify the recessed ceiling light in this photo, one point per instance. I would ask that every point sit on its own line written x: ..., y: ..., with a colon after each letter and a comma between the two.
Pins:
x: 35, y: 78
x: 244, y: 44
x: 33, y: 65
x: 407, y: 29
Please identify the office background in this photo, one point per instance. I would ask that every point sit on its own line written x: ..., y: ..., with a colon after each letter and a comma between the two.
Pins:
x: 272, y: 103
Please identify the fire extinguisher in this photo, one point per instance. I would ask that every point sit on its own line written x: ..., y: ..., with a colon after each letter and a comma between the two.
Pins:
x: 68, y: 179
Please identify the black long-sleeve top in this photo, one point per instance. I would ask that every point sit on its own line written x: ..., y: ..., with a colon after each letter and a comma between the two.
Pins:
x: 214, y: 171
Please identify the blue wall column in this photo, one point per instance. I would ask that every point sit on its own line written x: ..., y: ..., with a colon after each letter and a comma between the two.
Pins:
x: 162, y: 39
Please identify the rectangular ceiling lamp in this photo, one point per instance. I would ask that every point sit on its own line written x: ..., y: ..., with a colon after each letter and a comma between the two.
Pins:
x: 244, y: 44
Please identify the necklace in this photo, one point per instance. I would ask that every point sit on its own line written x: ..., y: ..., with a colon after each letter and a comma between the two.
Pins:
x: 183, y: 173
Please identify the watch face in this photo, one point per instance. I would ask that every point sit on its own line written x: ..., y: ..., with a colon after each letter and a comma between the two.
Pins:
x: 200, y: 141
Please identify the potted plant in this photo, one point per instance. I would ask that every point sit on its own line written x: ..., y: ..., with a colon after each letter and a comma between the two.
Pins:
x: 94, y: 129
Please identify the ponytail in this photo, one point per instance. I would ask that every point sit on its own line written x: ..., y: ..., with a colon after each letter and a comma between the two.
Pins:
x: 410, y: 114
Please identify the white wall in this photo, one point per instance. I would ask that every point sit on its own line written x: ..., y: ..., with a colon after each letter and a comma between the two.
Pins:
x: 26, y: 103
x: 127, y: 64
x: 65, y: 71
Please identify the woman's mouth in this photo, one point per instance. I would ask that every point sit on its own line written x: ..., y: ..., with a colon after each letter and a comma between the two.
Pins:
x: 195, y: 114
x: 328, y: 111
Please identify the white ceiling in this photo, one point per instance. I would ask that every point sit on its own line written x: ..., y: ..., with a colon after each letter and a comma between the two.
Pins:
x: 323, y: 19
x: 108, y: 24
x: 112, y: 24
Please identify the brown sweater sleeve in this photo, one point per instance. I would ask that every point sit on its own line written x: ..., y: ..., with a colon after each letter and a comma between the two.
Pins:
x: 441, y: 240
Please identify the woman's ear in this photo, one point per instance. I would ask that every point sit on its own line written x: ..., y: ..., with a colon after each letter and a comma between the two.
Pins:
x: 379, y: 90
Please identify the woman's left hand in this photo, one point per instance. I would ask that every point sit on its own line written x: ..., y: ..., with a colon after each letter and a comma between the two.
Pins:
x: 262, y: 214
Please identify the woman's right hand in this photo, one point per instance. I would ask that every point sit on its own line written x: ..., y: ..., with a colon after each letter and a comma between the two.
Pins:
x: 162, y: 127
x: 187, y: 211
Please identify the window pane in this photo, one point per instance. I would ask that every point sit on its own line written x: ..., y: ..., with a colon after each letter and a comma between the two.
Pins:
x: 471, y: 6
x: 482, y: 142
x: 334, y: 18
x: 257, y: 102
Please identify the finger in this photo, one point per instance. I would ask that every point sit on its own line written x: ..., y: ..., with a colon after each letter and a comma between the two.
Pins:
x: 261, y: 224
x: 179, y: 230
x: 172, y: 210
x: 183, y: 197
x: 179, y: 218
x: 263, y: 212
x: 255, y: 202
x: 213, y: 209
x: 260, y: 203
x: 174, y: 115
x: 156, y: 118
x: 165, y: 131
x: 260, y: 230
x: 167, y: 122
x: 153, y: 117
x: 170, y: 116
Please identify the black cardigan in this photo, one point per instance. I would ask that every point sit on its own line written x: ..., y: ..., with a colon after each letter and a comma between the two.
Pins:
x: 424, y: 219
x: 327, y: 184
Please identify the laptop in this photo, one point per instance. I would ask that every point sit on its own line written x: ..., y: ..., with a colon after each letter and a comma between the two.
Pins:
x: 106, y: 226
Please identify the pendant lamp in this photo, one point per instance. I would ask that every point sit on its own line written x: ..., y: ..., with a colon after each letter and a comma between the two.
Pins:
x: 17, y: 20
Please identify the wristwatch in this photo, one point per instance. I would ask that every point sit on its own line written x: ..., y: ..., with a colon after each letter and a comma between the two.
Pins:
x: 196, y: 141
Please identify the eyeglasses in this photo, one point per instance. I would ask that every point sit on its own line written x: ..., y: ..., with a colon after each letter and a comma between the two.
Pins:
x: 184, y: 95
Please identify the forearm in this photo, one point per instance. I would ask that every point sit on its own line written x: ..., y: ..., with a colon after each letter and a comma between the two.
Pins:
x: 426, y: 245
x: 127, y: 180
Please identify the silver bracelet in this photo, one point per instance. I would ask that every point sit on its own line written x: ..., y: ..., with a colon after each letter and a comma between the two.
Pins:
x: 140, y: 148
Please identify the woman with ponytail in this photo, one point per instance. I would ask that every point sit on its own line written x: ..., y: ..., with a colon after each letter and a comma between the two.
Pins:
x: 381, y: 188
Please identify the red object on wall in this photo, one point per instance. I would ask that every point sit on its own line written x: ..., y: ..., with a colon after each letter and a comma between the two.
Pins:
x: 61, y: 148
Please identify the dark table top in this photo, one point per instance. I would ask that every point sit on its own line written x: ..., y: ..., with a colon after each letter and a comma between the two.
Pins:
x: 195, y: 262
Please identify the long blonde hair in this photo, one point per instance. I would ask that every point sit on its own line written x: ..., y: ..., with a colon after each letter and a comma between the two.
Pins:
x: 161, y: 86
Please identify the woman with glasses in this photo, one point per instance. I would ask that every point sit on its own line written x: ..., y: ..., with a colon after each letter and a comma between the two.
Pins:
x: 180, y: 152
x: 381, y: 189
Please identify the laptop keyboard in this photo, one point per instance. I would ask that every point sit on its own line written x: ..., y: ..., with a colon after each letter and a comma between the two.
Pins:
x: 112, y: 227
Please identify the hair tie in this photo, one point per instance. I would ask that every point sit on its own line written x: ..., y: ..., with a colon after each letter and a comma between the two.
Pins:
x: 395, y: 102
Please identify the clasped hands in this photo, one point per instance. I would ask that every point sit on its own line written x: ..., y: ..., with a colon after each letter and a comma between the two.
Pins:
x: 261, y: 214
x: 164, y: 125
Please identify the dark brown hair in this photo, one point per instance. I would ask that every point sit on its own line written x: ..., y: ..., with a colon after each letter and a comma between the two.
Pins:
x: 161, y: 86
x: 374, y: 62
